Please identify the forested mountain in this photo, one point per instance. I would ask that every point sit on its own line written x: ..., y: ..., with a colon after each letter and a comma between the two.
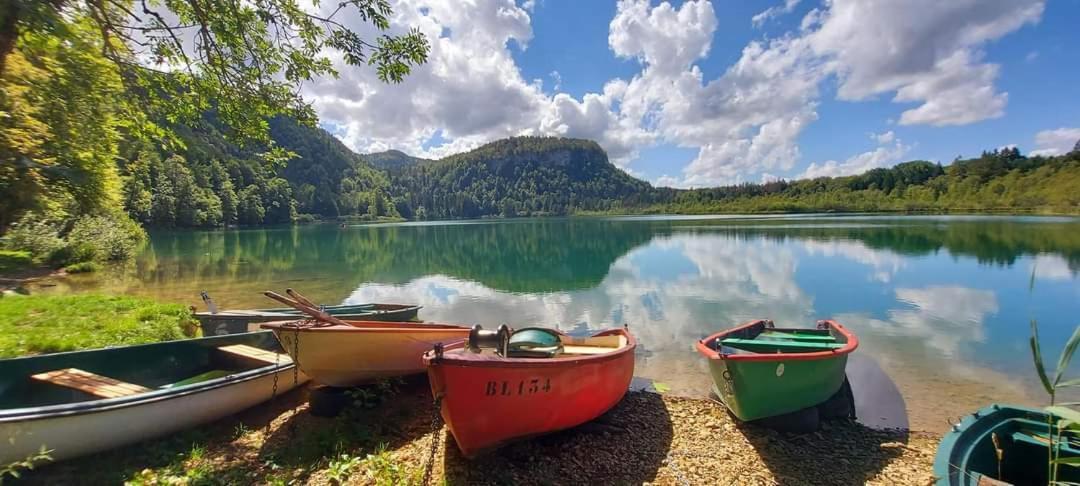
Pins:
x: 997, y: 180
x: 519, y: 176
x: 393, y: 160
x: 212, y: 183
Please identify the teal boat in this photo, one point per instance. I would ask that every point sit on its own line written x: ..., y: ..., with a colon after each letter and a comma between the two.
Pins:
x: 761, y: 371
x: 237, y: 321
x: 84, y: 402
x: 1003, y: 444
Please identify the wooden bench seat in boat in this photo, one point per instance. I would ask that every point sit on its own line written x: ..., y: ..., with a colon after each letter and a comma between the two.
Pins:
x: 256, y: 354
x: 592, y: 345
x: 772, y: 346
x: 91, y: 383
x: 827, y: 338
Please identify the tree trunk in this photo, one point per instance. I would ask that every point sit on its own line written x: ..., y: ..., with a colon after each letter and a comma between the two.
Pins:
x: 9, y: 29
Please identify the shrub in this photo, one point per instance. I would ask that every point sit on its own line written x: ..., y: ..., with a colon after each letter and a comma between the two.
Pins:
x: 14, y: 260
x: 108, y: 237
x: 33, y: 233
x: 83, y: 267
x: 70, y: 254
x: 305, y: 218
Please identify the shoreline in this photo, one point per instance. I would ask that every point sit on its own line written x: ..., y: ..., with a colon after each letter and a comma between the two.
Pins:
x: 646, y: 438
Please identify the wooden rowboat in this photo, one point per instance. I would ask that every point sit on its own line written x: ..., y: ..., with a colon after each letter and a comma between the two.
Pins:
x: 760, y: 371
x: 969, y: 452
x: 359, y: 352
x: 488, y: 399
x: 83, y: 402
x: 235, y: 321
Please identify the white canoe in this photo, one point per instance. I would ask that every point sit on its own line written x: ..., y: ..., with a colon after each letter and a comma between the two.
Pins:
x: 363, y: 351
x: 71, y: 416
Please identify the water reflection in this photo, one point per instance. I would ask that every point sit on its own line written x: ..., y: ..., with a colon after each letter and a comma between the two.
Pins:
x: 941, y: 303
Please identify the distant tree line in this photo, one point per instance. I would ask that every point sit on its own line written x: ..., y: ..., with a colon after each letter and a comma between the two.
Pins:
x: 996, y: 180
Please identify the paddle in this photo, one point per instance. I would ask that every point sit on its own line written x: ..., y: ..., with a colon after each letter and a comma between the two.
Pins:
x: 300, y: 298
x: 311, y: 311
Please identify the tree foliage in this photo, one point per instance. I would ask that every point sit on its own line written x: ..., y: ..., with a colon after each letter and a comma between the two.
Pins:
x: 999, y: 180
x: 247, y: 60
x: 518, y: 176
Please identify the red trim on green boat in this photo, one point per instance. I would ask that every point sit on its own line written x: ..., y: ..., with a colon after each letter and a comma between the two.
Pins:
x: 849, y: 346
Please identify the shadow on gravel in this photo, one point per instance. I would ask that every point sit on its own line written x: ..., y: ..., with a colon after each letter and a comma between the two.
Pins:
x: 842, y: 452
x: 626, y: 445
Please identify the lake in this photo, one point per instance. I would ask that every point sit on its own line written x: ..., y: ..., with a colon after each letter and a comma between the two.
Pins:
x: 941, y: 304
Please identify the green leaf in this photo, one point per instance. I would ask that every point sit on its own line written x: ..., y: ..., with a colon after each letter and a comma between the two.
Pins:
x: 1064, y: 413
x: 661, y: 387
x: 1069, y: 383
x: 1066, y: 355
x: 1036, y: 355
x: 1072, y: 461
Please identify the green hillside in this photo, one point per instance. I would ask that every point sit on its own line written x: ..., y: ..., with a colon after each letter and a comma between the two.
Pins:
x: 521, y: 176
x: 995, y: 181
x: 393, y: 160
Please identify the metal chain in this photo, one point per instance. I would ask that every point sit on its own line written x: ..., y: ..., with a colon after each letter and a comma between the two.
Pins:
x: 273, y: 391
x: 436, y: 434
x: 296, y: 372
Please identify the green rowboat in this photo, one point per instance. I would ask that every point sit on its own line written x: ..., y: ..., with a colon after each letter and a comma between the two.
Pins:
x: 969, y: 453
x: 237, y: 321
x: 762, y: 371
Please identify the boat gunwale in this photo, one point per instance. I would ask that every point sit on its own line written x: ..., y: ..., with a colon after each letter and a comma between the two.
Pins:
x: 950, y: 442
x: 285, y: 312
x: 712, y: 354
x: 45, y: 412
x: 365, y: 326
x: 461, y: 359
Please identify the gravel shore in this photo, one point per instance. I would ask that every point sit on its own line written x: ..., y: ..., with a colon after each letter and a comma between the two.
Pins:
x: 647, y: 438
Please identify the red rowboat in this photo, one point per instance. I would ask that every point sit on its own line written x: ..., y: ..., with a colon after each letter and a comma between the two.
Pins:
x: 488, y: 400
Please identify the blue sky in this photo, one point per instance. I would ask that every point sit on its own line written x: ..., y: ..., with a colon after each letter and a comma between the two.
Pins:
x: 700, y: 93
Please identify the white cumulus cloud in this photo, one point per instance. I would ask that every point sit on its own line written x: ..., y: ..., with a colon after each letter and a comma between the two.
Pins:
x: 1056, y: 142
x: 883, y: 156
x: 924, y: 55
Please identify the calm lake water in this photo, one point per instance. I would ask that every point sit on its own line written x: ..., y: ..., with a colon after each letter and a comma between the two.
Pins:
x: 941, y: 304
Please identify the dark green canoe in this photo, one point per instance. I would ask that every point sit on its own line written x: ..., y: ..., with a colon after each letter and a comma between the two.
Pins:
x: 762, y: 371
x: 236, y: 321
x: 968, y: 453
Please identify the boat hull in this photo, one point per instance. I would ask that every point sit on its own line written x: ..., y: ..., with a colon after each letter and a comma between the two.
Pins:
x: 967, y: 454
x: 758, y: 386
x: 35, y: 414
x: 343, y: 357
x: 74, y: 435
x: 486, y: 405
x: 758, y: 390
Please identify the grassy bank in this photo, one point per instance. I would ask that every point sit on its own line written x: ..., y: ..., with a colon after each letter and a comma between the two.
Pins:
x: 46, y: 324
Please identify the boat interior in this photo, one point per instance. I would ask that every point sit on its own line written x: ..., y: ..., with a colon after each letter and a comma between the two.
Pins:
x: 763, y: 339
x: 1023, y: 441
x: 64, y: 378
x: 537, y: 342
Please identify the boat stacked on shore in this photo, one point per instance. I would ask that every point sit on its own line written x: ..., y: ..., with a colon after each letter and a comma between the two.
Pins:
x: 491, y: 387
x: 762, y: 372
x: 82, y: 402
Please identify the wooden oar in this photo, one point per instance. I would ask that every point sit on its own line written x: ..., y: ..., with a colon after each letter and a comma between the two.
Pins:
x: 311, y: 311
x: 301, y: 299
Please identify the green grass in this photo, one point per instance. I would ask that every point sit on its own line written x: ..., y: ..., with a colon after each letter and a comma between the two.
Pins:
x: 46, y: 324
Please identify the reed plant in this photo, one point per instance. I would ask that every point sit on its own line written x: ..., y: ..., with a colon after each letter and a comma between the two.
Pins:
x: 1061, y: 419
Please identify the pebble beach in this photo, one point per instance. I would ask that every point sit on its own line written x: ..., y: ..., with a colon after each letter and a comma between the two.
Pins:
x: 648, y: 438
